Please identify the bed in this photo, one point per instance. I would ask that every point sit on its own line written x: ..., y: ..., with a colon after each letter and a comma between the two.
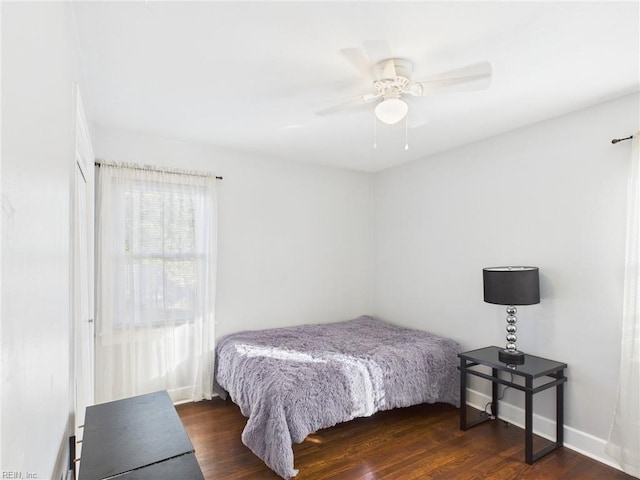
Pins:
x: 290, y: 382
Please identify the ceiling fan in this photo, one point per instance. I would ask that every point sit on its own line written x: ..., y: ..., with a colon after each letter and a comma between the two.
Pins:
x: 392, y: 84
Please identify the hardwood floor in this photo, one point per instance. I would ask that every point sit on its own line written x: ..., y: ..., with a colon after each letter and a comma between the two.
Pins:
x: 421, y: 442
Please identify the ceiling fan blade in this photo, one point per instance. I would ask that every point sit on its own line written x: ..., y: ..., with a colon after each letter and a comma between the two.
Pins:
x: 359, y: 60
x: 353, y: 102
x: 378, y: 50
x: 472, y: 77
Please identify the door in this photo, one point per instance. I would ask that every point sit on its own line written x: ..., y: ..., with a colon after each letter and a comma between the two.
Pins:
x: 82, y: 324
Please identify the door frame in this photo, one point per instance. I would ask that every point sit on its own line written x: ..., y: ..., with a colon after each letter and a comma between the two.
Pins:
x: 82, y: 365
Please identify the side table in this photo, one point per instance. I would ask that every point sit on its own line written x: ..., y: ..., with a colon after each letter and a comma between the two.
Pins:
x: 533, y: 368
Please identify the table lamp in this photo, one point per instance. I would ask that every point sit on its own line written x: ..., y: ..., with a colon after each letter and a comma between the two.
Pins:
x: 511, y: 286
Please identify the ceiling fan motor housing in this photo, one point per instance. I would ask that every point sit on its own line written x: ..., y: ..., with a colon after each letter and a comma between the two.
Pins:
x: 393, y: 77
x: 391, y: 68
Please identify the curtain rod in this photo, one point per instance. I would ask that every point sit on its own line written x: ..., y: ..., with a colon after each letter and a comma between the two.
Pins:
x: 157, y: 169
x: 616, y: 140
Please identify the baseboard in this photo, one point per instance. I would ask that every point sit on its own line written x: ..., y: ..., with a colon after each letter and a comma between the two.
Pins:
x: 581, y: 442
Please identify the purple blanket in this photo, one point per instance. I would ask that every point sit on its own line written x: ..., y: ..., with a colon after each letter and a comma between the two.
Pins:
x: 293, y: 381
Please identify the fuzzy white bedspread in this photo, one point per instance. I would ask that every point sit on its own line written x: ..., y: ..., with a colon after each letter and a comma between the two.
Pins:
x: 293, y: 381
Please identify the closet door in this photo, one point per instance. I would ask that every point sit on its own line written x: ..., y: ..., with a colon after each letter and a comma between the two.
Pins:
x: 82, y: 324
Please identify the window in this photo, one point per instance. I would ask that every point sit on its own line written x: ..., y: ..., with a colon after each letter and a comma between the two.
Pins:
x: 160, y: 256
x: 155, y: 282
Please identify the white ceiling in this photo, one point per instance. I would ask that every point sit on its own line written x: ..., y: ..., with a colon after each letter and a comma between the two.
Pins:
x: 249, y: 76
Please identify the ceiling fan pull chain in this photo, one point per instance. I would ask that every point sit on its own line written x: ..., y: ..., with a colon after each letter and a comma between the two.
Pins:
x: 375, y: 132
x: 406, y: 133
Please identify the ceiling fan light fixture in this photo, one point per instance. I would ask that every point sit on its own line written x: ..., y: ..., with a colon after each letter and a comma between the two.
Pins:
x: 391, y: 110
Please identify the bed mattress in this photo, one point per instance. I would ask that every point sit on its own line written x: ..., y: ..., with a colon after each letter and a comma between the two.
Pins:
x: 290, y: 382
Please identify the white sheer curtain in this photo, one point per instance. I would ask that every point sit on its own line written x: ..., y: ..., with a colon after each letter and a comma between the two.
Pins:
x: 624, y: 438
x: 155, y: 285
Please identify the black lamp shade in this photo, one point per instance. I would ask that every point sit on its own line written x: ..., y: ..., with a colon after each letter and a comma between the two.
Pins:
x: 511, y: 285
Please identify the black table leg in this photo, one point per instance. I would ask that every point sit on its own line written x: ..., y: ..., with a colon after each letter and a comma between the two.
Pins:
x: 494, y: 393
x: 463, y: 394
x: 528, y: 422
x: 560, y: 414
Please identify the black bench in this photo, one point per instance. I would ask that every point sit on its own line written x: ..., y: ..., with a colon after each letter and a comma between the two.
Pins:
x: 137, y: 438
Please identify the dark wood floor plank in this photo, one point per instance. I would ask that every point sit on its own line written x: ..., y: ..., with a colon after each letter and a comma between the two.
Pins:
x: 421, y: 442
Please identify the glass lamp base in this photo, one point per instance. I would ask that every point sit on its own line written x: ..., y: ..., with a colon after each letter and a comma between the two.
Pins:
x: 512, y: 357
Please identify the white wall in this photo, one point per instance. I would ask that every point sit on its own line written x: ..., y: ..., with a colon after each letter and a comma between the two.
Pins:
x: 294, y: 241
x: 550, y: 195
x: 39, y: 66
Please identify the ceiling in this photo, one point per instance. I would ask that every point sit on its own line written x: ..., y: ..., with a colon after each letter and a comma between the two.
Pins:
x: 251, y: 76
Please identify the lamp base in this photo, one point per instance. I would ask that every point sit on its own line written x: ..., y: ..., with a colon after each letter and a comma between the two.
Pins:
x: 511, y: 357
